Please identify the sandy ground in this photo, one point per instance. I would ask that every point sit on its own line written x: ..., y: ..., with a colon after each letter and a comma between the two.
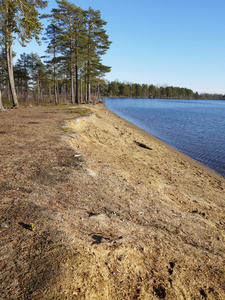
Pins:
x: 117, y: 213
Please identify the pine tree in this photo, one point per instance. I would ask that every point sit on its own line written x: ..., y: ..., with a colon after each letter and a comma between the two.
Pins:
x: 78, y: 37
x: 22, y: 75
x: 97, y: 43
x: 152, y: 91
x: 51, y: 36
x: 3, y: 75
x: 19, y: 17
x: 69, y: 19
x: 124, y: 90
x: 37, y: 71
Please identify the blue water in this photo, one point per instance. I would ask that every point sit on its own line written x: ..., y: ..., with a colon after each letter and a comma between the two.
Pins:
x: 195, y: 127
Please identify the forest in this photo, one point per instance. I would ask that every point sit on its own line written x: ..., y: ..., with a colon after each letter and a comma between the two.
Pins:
x: 72, y: 69
x: 135, y: 90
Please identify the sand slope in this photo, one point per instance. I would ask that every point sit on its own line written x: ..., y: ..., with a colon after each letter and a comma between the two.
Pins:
x: 164, y: 202
x: 117, y: 213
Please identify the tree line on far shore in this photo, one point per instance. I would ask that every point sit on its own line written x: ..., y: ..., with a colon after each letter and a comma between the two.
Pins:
x: 135, y: 90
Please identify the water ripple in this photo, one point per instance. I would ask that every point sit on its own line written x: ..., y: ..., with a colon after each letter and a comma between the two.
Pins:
x: 195, y: 127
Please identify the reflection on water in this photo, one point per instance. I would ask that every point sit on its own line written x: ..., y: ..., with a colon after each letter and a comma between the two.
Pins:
x: 195, y: 127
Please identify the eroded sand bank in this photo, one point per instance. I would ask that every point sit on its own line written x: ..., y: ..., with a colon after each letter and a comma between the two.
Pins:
x: 174, y: 210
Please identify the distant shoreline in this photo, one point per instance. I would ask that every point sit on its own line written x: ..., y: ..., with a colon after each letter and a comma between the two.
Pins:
x: 115, y: 97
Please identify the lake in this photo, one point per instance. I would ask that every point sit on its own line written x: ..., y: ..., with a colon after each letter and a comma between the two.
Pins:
x: 194, y: 127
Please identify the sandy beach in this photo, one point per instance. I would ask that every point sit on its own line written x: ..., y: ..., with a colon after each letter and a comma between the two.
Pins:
x: 118, y: 214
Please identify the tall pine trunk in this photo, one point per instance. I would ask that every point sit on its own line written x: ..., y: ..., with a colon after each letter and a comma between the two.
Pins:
x: 55, y: 91
x: 71, y: 65
x: 76, y: 72
x: 1, y: 105
x: 41, y: 93
x: 89, y: 64
x: 26, y: 92
x: 86, y: 97
x: 89, y: 92
x: 50, y: 91
x: 9, y: 59
x: 55, y: 81
x: 38, y: 88
x: 10, y: 74
x: 81, y: 91
x: 72, y: 84
x: 88, y: 82
x: 77, y: 87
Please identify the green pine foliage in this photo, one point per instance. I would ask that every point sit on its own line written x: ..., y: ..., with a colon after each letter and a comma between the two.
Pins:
x: 18, y: 18
x: 135, y: 90
x: 76, y: 40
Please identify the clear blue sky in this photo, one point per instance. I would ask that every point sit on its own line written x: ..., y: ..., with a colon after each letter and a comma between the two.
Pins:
x: 161, y: 42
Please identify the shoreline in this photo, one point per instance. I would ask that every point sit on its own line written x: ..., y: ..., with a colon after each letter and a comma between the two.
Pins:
x: 185, y: 156
x: 116, y: 213
x: 220, y: 171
